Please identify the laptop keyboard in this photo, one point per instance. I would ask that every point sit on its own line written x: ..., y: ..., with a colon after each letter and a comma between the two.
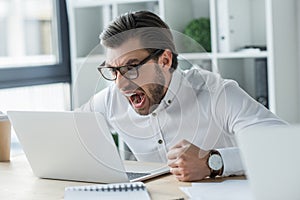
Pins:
x: 134, y: 175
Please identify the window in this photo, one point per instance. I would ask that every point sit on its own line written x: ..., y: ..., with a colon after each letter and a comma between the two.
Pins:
x: 34, y: 43
x: 34, y: 57
x: 48, y: 97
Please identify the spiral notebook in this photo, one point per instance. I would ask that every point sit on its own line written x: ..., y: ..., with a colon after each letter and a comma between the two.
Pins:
x: 117, y: 191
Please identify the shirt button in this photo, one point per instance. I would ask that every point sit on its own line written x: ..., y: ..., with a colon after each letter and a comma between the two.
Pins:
x: 169, y: 101
x: 154, y: 114
x: 160, y: 141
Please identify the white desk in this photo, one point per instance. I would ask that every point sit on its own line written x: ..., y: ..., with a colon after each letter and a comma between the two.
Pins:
x: 18, y: 182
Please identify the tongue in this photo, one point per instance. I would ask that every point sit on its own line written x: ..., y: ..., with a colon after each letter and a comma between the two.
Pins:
x: 137, y: 100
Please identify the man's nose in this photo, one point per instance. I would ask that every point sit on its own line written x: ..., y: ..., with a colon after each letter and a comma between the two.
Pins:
x: 121, y: 81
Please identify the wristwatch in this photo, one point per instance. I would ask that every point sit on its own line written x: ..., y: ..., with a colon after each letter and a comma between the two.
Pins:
x: 215, y: 163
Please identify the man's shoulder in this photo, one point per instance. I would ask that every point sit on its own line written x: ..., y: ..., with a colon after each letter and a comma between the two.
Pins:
x: 205, y: 80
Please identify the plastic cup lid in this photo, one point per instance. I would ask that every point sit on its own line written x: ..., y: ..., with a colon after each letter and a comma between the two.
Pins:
x: 3, y: 117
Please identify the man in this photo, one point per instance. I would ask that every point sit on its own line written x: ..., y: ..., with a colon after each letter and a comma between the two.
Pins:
x: 184, y: 118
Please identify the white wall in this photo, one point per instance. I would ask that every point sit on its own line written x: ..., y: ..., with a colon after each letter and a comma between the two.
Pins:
x: 286, y: 59
x: 298, y: 42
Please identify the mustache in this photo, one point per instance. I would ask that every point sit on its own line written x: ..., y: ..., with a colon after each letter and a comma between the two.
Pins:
x: 130, y: 88
x: 133, y: 86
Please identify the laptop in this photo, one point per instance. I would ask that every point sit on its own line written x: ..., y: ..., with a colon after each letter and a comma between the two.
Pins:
x: 272, y: 160
x: 76, y: 146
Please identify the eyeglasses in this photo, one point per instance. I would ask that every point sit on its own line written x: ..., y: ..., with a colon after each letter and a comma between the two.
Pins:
x: 128, y: 71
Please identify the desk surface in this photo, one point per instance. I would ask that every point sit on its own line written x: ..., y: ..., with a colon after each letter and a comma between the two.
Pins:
x: 18, y: 182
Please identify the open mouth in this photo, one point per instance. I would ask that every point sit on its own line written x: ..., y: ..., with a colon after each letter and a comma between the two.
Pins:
x: 137, y: 99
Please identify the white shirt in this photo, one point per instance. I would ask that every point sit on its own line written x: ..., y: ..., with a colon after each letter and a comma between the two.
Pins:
x: 199, y: 106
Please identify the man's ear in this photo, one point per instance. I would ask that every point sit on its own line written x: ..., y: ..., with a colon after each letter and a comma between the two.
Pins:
x: 165, y: 60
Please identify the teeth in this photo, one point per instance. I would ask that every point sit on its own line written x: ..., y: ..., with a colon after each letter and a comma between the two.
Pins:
x: 129, y: 94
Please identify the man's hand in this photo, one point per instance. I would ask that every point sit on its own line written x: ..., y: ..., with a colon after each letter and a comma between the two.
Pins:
x: 188, y: 162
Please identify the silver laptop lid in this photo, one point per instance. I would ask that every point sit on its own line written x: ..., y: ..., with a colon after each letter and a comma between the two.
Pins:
x: 272, y: 161
x: 69, y: 146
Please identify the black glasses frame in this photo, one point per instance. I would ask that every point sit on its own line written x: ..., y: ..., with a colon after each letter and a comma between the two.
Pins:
x: 127, y: 68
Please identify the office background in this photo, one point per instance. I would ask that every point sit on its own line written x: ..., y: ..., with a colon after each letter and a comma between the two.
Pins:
x: 44, y: 44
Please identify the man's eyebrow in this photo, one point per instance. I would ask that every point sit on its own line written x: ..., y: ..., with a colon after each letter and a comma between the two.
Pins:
x: 130, y: 61
x: 103, y: 64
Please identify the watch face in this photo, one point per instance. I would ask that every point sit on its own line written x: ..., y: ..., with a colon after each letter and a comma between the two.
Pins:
x: 215, y: 162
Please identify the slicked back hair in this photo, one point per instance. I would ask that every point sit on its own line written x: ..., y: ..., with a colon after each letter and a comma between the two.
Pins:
x: 150, y: 29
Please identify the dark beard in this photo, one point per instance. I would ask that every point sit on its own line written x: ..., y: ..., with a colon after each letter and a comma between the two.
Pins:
x: 157, y: 89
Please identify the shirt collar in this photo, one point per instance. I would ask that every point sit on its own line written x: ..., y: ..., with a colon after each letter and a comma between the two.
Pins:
x: 172, y: 89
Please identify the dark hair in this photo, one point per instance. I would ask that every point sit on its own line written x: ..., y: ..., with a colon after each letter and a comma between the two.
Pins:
x: 150, y: 29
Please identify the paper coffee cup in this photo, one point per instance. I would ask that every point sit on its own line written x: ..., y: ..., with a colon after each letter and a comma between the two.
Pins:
x: 5, y: 138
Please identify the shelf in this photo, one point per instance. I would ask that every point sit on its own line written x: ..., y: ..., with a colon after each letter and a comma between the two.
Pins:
x: 195, y: 56
x: 209, y: 56
x: 247, y: 23
x: 88, y: 3
x: 132, y: 1
x: 262, y: 54
x: 92, y: 3
x: 98, y: 58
